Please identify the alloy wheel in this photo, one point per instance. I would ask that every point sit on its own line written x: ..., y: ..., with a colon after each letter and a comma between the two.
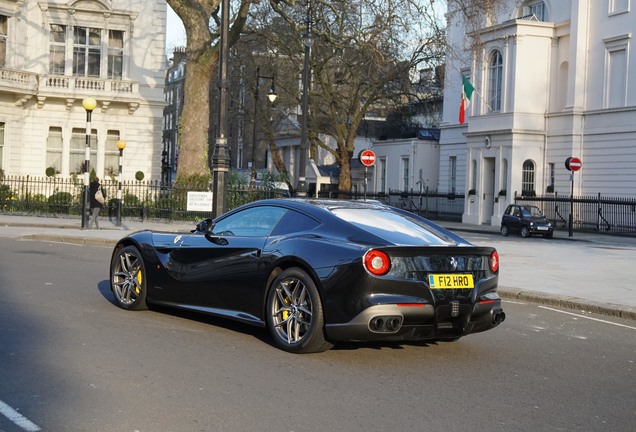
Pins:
x: 128, y: 280
x: 292, y: 310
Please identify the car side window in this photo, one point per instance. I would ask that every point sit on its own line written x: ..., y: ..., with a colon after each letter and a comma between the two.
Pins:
x: 516, y: 212
x: 251, y: 222
x: 294, y: 221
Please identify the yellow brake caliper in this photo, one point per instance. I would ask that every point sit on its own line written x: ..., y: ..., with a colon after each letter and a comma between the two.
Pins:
x: 139, y: 281
x: 285, y: 311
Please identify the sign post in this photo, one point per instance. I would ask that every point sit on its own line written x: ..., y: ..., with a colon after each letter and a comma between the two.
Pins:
x: 366, y: 158
x: 572, y: 164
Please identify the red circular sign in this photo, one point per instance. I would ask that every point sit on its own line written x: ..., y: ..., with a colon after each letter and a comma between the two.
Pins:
x: 573, y: 164
x: 367, y: 158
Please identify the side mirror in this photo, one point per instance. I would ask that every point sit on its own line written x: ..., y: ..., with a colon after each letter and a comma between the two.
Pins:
x: 204, y: 226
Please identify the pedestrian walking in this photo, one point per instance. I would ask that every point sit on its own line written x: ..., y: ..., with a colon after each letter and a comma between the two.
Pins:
x: 98, y: 198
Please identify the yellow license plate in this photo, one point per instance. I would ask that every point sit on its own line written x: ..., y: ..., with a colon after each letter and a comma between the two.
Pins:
x: 451, y: 281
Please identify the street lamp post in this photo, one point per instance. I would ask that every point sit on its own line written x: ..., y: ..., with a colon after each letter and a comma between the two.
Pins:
x: 221, y: 157
x: 121, y: 145
x: 308, y: 41
x: 271, y: 95
x: 89, y: 104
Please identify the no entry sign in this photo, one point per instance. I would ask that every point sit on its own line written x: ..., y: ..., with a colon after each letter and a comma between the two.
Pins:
x: 367, y: 158
x: 573, y: 164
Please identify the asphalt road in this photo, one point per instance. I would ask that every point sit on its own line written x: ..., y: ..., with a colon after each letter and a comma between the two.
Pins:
x: 72, y: 361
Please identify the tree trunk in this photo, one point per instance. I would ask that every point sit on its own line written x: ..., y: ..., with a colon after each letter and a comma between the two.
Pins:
x: 195, y: 118
x: 344, y: 161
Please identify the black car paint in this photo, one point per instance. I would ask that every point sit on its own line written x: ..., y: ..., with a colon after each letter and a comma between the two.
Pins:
x: 230, y: 278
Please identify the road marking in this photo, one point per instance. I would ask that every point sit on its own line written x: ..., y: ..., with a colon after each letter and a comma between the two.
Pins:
x: 587, y: 317
x: 514, y: 302
x: 18, y: 418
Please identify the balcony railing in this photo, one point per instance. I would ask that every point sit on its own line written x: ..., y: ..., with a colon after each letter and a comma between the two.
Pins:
x: 62, y: 84
x: 24, y: 85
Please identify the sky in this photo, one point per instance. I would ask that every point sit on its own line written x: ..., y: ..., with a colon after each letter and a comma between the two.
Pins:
x: 175, y: 33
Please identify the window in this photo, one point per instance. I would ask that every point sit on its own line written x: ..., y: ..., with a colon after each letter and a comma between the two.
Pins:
x: 87, y: 54
x: 54, y: 144
x: 616, y: 79
x: 3, y: 40
x: 57, y: 49
x: 293, y: 222
x: 252, y: 222
x: 115, y: 54
x: 551, y: 174
x: 527, y: 181
x: 405, y: 174
x: 78, y: 148
x: 111, y: 153
x: 453, y: 174
x: 473, y: 174
x: 495, y: 81
x: 618, y: 6
x: 397, y: 228
x: 382, y: 175
x: 536, y: 8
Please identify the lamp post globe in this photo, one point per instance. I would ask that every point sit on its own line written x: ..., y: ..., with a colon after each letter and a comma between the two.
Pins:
x: 89, y: 103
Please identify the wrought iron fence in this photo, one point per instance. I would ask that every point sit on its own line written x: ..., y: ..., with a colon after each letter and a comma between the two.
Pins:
x: 590, y: 213
x: 431, y: 205
x: 145, y: 200
x: 152, y: 200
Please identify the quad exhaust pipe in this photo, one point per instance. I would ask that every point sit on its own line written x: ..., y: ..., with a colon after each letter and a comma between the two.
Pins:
x: 385, y: 324
x: 498, y: 317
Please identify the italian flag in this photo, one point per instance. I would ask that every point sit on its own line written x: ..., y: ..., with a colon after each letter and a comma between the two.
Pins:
x: 467, y: 93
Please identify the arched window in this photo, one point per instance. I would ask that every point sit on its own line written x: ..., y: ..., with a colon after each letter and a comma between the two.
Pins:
x: 495, y: 81
x: 527, y: 180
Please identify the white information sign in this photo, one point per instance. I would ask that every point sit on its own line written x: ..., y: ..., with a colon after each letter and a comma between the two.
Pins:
x: 199, y: 201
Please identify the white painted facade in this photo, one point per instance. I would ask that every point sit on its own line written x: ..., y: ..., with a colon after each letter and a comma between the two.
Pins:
x: 545, y: 90
x: 58, y: 52
x: 406, y: 165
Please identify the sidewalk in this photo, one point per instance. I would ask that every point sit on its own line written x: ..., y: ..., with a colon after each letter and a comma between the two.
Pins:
x: 588, y: 271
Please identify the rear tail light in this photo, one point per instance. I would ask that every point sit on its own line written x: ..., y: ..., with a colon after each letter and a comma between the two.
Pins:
x: 377, y: 262
x: 494, y: 261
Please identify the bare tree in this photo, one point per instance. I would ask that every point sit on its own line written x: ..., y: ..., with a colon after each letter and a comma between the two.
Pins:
x: 201, y: 20
x: 363, y: 56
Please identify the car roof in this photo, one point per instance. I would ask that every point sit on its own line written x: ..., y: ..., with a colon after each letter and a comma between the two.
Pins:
x: 323, y: 209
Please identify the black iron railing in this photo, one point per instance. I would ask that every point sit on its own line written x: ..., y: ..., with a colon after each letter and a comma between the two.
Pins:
x: 153, y: 200
x: 589, y: 213
x: 145, y: 200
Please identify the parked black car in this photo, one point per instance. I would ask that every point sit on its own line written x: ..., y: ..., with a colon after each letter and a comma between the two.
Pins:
x: 526, y: 220
x: 315, y: 272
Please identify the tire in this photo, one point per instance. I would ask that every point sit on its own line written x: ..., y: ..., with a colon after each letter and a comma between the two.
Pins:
x: 549, y: 235
x: 525, y: 232
x: 128, y: 279
x: 294, y: 313
x: 504, y: 230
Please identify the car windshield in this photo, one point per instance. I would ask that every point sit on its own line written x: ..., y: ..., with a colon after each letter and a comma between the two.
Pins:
x: 393, y: 227
x: 531, y: 211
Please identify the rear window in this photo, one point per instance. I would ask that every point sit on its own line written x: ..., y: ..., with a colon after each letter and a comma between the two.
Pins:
x: 393, y: 227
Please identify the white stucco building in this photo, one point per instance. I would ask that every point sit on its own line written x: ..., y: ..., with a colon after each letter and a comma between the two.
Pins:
x: 55, y: 53
x: 552, y: 79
